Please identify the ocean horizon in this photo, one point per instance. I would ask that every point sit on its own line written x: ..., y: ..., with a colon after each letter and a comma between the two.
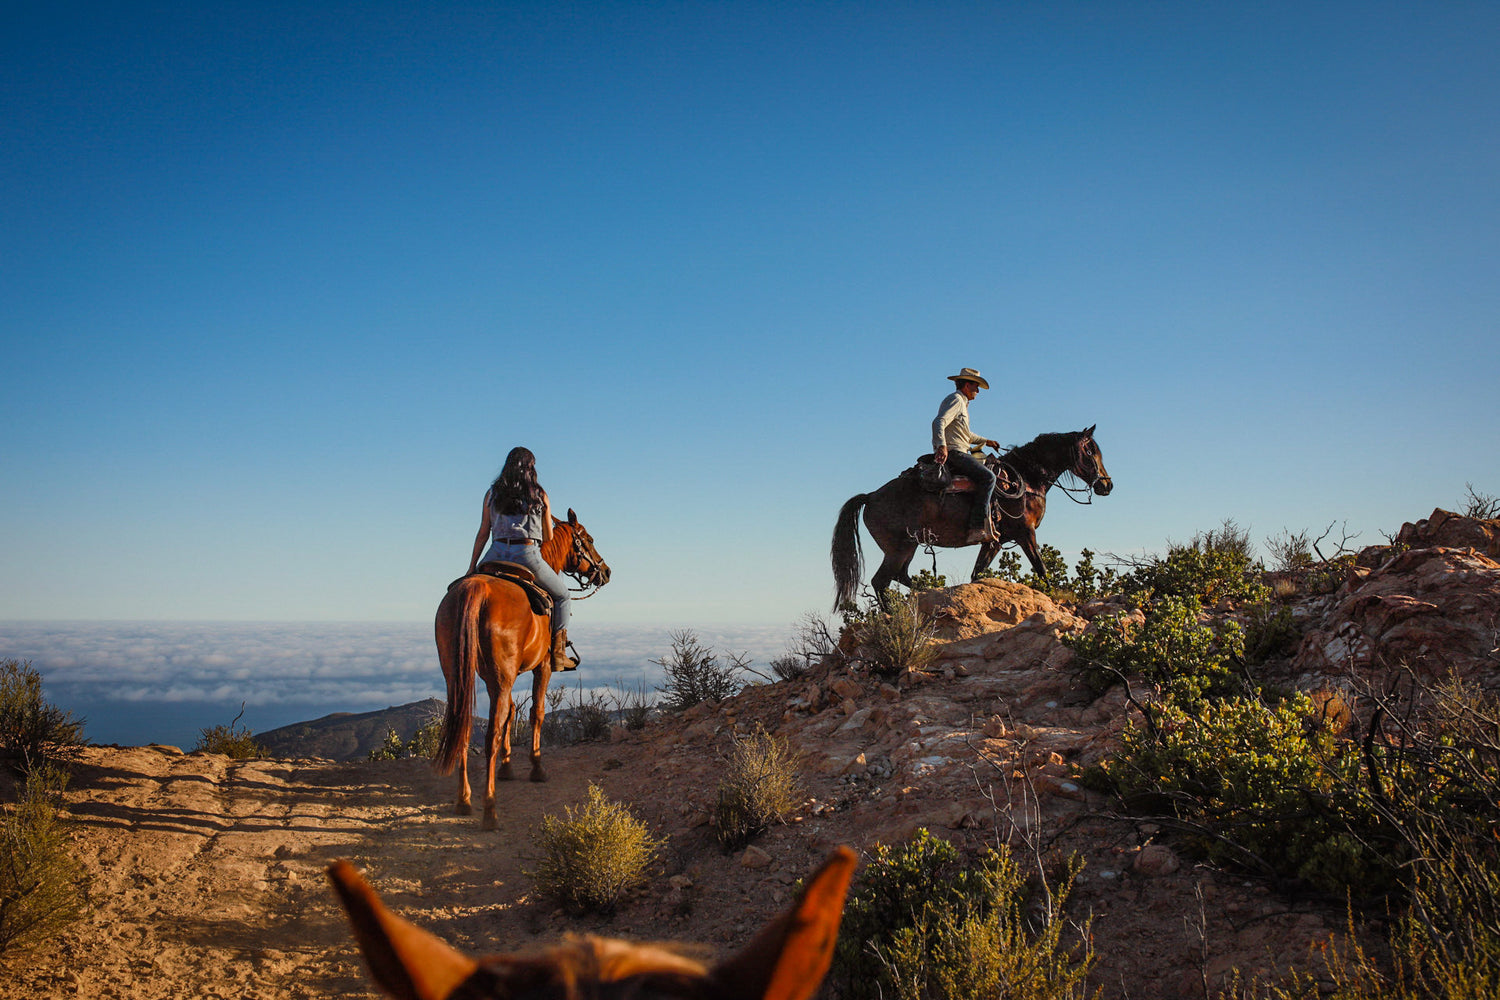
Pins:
x: 140, y: 682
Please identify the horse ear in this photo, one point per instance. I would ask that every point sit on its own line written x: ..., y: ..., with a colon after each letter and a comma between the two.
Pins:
x: 405, y: 961
x: 790, y: 957
x: 1090, y: 432
x: 572, y: 517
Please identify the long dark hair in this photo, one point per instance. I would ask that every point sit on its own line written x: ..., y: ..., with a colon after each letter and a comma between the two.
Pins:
x: 515, y: 490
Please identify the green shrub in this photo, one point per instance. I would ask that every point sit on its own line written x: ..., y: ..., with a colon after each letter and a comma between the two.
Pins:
x: 1087, y: 582
x: 695, y: 674
x: 1265, y: 787
x: 31, y: 730
x: 1175, y: 652
x: 759, y: 787
x: 928, y: 580
x: 895, y: 638
x: 1216, y: 565
x: 423, y: 742
x: 593, y: 855
x: 392, y: 748
x: 39, y: 892
x: 232, y: 742
x: 922, y: 925
x: 1090, y: 582
x: 1271, y: 630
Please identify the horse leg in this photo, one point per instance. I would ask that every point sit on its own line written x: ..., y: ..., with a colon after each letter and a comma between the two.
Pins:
x: 1033, y: 553
x: 463, y: 806
x: 539, y: 678
x: 893, y: 568
x: 987, y: 553
x: 505, y: 773
x: 499, y: 695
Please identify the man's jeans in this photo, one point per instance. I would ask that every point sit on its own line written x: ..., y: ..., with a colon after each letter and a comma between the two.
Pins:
x: 961, y: 463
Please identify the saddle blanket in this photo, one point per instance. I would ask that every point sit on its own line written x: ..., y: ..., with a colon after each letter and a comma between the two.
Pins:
x: 541, y: 601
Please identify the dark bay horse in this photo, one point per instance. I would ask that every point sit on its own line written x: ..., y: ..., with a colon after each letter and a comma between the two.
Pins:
x: 902, y: 516
x: 485, y: 626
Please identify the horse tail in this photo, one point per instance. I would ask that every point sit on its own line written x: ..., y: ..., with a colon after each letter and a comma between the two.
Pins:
x: 848, y: 561
x: 458, y: 717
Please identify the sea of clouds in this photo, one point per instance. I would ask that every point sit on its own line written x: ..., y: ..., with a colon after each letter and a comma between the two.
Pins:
x: 144, y: 682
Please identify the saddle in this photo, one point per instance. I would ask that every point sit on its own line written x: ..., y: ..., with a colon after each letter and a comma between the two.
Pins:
x: 541, y: 601
x: 936, y: 478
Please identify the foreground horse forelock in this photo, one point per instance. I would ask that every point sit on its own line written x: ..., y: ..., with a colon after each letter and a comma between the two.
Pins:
x: 902, y: 516
x: 786, y: 961
x: 485, y: 628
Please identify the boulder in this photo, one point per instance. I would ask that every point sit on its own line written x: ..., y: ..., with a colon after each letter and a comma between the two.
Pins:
x: 984, y: 606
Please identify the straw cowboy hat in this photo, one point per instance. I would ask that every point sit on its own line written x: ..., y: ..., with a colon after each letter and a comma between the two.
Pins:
x: 969, y: 375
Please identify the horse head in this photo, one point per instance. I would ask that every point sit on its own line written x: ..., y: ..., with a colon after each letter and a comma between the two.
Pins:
x: 786, y: 961
x: 584, y: 560
x: 1088, y: 464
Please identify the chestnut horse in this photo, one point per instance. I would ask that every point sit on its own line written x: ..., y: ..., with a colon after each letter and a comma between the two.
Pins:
x: 902, y: 515
x: 485, y: 626
x: 787, y: 960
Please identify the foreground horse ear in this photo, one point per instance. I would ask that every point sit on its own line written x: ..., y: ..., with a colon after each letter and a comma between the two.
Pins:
x: 405, y: 961
x: 1090, y: 432
x: 790, y: 957
x: 572, y: 517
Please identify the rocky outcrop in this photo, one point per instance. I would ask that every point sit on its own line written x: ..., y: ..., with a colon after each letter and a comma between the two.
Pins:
x: 1445, y: 529
x: 1434, y: 608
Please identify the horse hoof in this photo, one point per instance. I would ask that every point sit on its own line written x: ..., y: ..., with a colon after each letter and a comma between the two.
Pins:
x: 537, y: 774
x: 463, y: 809
x: 489, y: 822
x: 505, y: 773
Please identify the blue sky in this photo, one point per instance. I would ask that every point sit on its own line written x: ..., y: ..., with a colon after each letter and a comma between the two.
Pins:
x: 281, y: 284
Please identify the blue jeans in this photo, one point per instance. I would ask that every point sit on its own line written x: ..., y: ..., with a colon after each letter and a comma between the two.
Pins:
x: 961, y: 463
x: 530, y: 556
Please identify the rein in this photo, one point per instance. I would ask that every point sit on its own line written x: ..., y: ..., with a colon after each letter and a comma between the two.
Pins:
x: 1023, y: 486
x: 1087, y: 488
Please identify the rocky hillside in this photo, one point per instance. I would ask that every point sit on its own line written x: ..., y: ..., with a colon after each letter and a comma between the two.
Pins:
x: 347, y: 735
x: 206, y: 872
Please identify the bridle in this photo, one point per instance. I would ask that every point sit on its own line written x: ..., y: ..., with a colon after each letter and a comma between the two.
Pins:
x: 588, y: 585
x: 1088, y: 482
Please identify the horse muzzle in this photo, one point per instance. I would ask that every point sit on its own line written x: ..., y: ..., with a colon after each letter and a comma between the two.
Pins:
x: 1104, y: 486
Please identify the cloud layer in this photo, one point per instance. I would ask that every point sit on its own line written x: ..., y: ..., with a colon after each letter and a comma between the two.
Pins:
x: 276, y: 668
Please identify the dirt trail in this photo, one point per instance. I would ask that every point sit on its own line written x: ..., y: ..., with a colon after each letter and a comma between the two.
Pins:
x: 206, y: 873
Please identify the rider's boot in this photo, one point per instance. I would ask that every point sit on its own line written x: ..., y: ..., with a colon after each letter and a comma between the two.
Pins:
x: 560, y: 659
x: 981, y: 529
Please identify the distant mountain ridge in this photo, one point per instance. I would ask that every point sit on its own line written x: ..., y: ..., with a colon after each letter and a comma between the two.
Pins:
x: 347, y: 735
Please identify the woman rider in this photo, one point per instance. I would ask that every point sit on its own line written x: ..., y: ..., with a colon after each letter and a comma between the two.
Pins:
x: 517, y: 517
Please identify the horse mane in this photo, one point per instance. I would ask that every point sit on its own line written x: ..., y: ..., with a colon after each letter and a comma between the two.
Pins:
x: 559, y: 544
x: 583, y: 967
x: 1044, y: 457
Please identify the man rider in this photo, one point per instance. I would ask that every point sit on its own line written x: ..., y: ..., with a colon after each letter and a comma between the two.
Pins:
x: 951, y: 440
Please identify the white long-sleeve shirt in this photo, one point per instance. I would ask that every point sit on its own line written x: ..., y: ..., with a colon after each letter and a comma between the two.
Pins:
x: 951, y: 428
